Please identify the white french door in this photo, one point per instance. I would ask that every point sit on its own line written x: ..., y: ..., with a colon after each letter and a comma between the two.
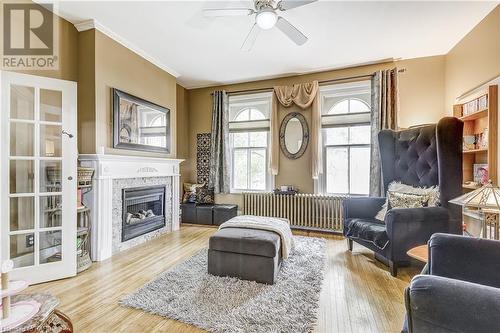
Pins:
x: 38, y: 150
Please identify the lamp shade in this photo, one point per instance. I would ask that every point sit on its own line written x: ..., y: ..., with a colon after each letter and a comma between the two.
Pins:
x: 486, y: 197
x: 266, y: 18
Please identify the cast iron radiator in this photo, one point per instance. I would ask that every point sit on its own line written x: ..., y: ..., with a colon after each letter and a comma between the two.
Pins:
x: 305, y: 211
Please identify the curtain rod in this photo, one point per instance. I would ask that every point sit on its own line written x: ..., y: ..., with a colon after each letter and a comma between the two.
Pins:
x: 345, y: 79
x: 267, y: 89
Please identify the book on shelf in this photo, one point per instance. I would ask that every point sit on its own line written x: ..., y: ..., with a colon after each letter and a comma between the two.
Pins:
x: 476, y: 105
x: 483, y: 102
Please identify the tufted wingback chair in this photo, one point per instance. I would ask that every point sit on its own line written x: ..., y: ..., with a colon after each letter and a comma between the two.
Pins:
x: 422, y: 156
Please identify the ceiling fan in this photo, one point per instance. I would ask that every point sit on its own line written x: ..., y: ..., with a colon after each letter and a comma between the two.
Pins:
x: 266, y: 18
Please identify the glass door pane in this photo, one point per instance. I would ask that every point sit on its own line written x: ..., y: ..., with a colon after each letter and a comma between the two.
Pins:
x: 50, y: 211
x: 50, y: 141
x: 50, y: 246
x: 38, y: 165
x: 50, y: 177
x: 22, y: 213
x: 22, y: 176
x: 22, y: 249
x: 22, y: 102
x: 50, y: 105
x: 22, y: 139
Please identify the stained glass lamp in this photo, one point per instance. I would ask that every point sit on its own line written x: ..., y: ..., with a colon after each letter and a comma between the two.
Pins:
x: 486, y: 202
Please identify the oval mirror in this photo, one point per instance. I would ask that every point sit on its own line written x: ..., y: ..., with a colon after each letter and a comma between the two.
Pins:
x: 294, y: 135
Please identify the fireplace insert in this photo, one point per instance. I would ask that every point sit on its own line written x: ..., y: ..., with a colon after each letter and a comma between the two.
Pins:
x: 143, y: 210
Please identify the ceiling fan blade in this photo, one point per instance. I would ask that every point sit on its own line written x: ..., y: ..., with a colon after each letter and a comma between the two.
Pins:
x: 227, y: 12
x: 251, y: 37
x: 293, y: 33
x: 289, y: 4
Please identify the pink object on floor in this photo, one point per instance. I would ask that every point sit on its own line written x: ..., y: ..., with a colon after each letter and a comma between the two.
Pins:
x: 20, y: 312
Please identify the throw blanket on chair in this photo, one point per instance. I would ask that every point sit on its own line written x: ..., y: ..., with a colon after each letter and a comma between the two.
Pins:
x: 277, y: 225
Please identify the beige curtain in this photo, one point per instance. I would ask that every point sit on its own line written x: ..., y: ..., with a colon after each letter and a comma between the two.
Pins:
x: 303, y: 95
x: 385, y: 105
x: 316, y: 141
x: 274, y: 159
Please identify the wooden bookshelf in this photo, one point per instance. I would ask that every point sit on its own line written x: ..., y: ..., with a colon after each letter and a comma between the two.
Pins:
x: 475, y: 151
x: 479, y: 120
x: 475, y: 115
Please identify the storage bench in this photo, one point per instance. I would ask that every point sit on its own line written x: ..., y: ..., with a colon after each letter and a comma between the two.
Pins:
x: 207, y: 214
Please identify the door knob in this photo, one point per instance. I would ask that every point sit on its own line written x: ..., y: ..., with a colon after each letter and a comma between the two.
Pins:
x: 68, y: 134
x: 70, y: 178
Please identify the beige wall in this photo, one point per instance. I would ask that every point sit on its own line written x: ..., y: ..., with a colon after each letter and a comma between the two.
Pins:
x: 183, y: 131
x: 68, y: 53
x: 421, y: 91
x: 474, y: 60
x: 105, y: 64
x: 86, y: 92
x: 118, y: 67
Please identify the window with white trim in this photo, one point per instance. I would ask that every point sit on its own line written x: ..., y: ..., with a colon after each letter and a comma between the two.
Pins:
x: 249, y: 138
x: 345, y: 121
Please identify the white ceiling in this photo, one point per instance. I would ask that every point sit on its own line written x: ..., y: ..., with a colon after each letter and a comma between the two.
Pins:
x: 203, y: 51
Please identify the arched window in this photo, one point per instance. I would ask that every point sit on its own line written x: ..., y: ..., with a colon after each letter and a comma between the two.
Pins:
x: 248, y: 141
x: 249, y: 114
x: 158, y: 121
x: 349, y: 105
x: 346, y: 133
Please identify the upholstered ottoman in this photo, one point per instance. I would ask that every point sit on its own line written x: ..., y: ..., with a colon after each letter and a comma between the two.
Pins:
x: 222, y: 213
x: 248, y: 254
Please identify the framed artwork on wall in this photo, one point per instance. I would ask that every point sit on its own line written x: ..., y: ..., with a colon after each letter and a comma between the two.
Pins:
x: 139, y: 124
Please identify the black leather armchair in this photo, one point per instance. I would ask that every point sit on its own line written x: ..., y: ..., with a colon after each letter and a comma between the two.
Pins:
x: 461, y: 292
x: 422, y: 156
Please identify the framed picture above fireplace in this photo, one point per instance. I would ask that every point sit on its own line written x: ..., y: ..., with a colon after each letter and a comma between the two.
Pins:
x: 139, y: 124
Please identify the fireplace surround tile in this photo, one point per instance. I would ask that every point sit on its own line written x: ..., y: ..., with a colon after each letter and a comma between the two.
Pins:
x: 118, y: 186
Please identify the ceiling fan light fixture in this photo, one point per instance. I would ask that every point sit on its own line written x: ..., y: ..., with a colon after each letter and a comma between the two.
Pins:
x: 266, y: 19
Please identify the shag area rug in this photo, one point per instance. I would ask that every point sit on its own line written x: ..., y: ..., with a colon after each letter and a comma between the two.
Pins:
x: 222, y: 304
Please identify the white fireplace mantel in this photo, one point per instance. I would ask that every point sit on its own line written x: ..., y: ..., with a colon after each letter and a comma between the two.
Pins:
x: 108, y: 167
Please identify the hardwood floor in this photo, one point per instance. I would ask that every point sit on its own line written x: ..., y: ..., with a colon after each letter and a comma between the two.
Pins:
x: 358, y: 295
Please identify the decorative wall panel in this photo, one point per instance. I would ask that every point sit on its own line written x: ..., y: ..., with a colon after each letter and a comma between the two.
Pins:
x: 202, y: 157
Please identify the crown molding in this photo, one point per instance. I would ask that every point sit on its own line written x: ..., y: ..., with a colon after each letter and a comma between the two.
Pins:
x: 286, y: 75
x: 93, y: 24
x: 85, y: 25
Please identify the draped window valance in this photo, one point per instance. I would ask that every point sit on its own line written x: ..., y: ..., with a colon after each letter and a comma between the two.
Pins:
x: 303, y: 95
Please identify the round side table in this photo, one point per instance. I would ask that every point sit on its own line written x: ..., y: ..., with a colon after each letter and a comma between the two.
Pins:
x: 421, y: 253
